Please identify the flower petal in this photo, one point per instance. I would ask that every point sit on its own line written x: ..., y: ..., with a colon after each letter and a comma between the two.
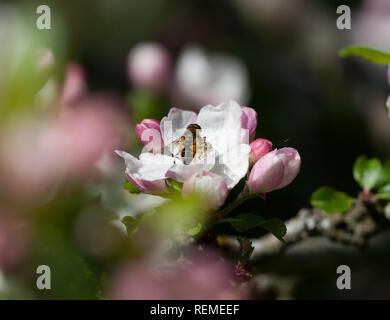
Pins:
x: 151, y: 187
x: 233, y: 165
x: 148, y: 132
x: 267, y: 173
x: 148, y: 167
x: 221, y: 125
x: 292, y: 164
x: 180, y: 172
x: 173, y: 125
x: 249, y: 121
x: 211, y: 188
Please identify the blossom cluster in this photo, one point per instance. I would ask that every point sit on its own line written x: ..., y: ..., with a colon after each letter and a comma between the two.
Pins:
x: 232, y: 154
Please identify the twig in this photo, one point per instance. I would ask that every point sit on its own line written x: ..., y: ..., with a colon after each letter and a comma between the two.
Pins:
x: 354, y: 227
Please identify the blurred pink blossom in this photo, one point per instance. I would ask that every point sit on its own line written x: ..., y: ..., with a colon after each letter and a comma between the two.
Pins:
x: 372, y: 24
x: 274, y: 171
x: 37, y: 156
x: 75, y: 85
x: 206, y: 278
x: 14, y: 241
x: 202, y: 79
x: 149, y: 66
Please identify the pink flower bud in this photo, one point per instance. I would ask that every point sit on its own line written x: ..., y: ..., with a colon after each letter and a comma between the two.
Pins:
x: 151, y: 187
x: 149, y: 134
x: 259, y: 148
x: 388, y: 104
x: 149, y: 66
x: 249, y: 121
x: 210, y: 187
x: 274, y: 171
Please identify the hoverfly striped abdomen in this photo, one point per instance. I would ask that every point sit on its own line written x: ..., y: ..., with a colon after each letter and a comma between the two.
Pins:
x: 189, y: 143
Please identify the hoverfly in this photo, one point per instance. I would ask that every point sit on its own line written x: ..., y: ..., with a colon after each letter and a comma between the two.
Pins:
x: 191, y: 146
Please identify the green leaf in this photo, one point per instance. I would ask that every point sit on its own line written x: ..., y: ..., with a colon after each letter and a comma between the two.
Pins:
x: 386, y: 172
x: 195, y: 230
x: 129, y: 186
x: 369, y: 54
x: 330, y: 200
x: 384, y: 192
x: 246, y: 221
x: 130, y: 223
x: 276, y: 227
x: 368, y: 172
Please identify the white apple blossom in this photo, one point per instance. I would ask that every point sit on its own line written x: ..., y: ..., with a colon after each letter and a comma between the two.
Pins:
x: 228, y: 156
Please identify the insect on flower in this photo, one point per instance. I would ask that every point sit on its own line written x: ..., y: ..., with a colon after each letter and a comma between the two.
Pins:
x: 191, y: 146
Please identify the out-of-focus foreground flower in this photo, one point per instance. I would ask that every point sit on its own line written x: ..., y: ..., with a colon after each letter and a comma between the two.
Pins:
x: 201, y: 79
x: 203, y: 277
x: 372, y: 25
x: 14, y: 240
x: 38, y: 155
x: 149, y: 67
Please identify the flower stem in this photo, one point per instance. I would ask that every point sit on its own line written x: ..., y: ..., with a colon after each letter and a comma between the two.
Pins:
x: 242, y: 197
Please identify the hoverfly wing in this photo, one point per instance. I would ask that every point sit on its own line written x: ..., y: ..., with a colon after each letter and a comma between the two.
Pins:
x: 204, y: 151
x: 173, y: 149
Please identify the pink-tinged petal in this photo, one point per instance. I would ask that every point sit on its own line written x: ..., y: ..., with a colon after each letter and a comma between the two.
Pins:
x: 155, y: 182
x: 149, y: 166
x: 149, y: 66
x: 267, y: 174
x: 151, y: 187
x: 149, y: 134
x: 259, y: 148
x: 249, y: 121
x: 210, y: 187
x: 292, y: 164
x: 75, y: 85
x: 173, y: 125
